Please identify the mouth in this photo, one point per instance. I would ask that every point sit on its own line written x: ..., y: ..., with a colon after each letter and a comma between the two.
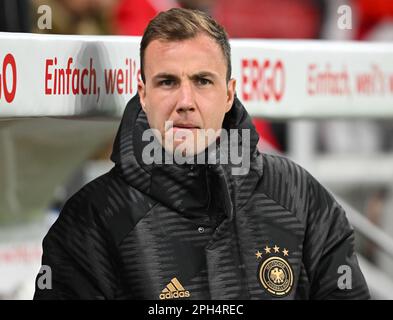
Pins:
x: 185, y: 126
x: 178, y: 125
x: 183, y: 130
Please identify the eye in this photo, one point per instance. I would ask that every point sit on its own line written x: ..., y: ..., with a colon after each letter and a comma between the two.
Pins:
x: 166, y: 82
x: 203, y: 81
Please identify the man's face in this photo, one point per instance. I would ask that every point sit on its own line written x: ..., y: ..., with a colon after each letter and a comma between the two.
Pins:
x: 185, y: 83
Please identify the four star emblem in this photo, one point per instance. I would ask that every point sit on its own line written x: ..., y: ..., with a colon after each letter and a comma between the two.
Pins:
x: 268, y: 249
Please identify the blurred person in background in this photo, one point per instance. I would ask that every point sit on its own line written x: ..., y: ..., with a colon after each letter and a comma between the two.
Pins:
x: 15, y: 15
x: 375, y: 20
x: 132, y: 16
x: 85, y: 17
x: 271, y: 19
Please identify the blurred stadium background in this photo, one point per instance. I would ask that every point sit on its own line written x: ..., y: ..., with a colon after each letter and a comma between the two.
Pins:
x: 44, y: 160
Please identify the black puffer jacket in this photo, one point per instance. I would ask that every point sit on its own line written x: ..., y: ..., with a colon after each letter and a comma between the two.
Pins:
x: 199, y: 232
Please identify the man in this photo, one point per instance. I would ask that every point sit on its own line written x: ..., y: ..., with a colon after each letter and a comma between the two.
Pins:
x: 186, y: 226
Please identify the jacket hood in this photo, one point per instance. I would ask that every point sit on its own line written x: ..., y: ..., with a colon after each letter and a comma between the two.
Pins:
x: 194, y: 190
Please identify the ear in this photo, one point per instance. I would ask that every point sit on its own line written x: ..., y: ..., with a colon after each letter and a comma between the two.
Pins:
x: 230, y: 94
x: 142, y: 93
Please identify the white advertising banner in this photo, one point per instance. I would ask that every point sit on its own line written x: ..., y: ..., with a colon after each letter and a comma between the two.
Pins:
x: 314, y: 79
x: 54, y: 75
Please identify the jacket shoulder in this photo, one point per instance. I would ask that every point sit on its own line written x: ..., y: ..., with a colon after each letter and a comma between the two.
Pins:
x: 329, y: 238
x: 293, y: 187
x: 287, y: 183
x: 80, y: 247
x: 107, y: 203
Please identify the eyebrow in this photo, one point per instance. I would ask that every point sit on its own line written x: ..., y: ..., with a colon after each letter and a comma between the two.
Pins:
x: 164, y: 75
x: 204, y: 74
x: 201, y: 74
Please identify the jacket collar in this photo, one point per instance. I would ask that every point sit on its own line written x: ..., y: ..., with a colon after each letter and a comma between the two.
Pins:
x: 195, y: 189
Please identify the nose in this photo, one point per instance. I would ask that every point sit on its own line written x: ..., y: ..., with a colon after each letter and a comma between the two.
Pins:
x: 186, y: 98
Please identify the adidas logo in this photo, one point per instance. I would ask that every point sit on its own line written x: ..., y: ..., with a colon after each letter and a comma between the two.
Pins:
x: 174, y: 290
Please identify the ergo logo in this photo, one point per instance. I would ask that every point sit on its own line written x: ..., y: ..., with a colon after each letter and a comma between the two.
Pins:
x: 262, y: 80
x: 8, y: 78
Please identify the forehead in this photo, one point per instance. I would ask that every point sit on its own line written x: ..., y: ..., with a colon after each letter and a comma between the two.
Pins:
x: 190, y: 55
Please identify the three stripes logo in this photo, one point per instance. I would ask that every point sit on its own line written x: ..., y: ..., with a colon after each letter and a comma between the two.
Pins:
x: 174, y: 290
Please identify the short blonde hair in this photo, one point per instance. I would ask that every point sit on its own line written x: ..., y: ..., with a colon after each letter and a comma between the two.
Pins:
x: 181, y: 24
